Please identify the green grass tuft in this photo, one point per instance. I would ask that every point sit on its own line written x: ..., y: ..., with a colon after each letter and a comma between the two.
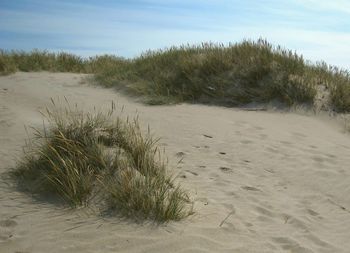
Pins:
x: 83, y: 156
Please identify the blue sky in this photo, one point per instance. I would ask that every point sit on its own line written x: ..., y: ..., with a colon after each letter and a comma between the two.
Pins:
x: 318, y: 29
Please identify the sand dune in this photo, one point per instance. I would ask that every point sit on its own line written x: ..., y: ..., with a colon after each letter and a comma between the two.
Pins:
x: 260, y: 181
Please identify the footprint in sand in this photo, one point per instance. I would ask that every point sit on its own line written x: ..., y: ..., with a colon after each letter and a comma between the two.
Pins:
x: 5, y: 114
x: 204, y: 201
x: 180, y: 154
x: 3, y: 91
x: 246, y: 142
x: 8, y: 223
x: 318, y: 159
x: 312, y: 212
x: 199, y: 147
x: 286, y: 143
x: 192, y: 172
x: 324, y: 159
x: 264, y: 212
x: 183, y: 176
x: 290, y: 245
x: 263, y: 136
x: 298, y: 135
x: 6, y: 229
x: 297, y: 223
x: 250, y: 188
x: 225, y: 169
x: 331, y: 156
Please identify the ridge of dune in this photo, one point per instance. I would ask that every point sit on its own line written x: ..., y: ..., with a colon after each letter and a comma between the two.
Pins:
x: 261, y: 181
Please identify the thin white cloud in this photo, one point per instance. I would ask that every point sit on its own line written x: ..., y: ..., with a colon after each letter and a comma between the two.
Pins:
x: 327, y: 5
x: 129, y: 30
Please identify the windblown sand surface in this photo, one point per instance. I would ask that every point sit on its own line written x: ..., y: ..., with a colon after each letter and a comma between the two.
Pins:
x: 260, y: 181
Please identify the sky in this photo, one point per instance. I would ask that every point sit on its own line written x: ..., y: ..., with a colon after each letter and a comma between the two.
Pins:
x: 317, y: 29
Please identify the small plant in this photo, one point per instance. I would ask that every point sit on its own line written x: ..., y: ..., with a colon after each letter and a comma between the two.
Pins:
x: 83, y: 156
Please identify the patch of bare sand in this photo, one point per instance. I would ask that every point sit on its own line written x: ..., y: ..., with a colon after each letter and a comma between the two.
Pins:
x: 260, y: 181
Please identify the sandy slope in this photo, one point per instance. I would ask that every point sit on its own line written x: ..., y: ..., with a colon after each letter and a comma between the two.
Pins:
x: 281, y: 180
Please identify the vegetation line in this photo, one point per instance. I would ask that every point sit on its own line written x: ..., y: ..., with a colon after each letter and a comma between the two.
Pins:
x: 240, y: 73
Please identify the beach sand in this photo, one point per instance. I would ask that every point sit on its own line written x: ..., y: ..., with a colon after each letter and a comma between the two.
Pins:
x: 261, y: 182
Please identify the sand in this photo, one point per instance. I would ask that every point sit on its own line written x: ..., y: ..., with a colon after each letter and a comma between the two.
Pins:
x: 260, y: 181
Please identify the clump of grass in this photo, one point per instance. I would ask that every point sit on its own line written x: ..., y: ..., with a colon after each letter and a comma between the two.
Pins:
x: 143, y: 188
x: 66, y: 158
x: 7, y: 64
x: 135, y: 194
x: 83, y: 156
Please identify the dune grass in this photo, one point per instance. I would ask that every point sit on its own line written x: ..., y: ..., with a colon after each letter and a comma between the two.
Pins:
x: 7, y: 63
x: 45, y: 61
x: 231, y: 75
x: 36, y: 60
x: 240, y: 73
x: 81, y: 157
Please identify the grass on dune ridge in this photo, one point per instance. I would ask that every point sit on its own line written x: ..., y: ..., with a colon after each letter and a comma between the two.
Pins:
x: 98, y: 158
x: 249, y: 71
